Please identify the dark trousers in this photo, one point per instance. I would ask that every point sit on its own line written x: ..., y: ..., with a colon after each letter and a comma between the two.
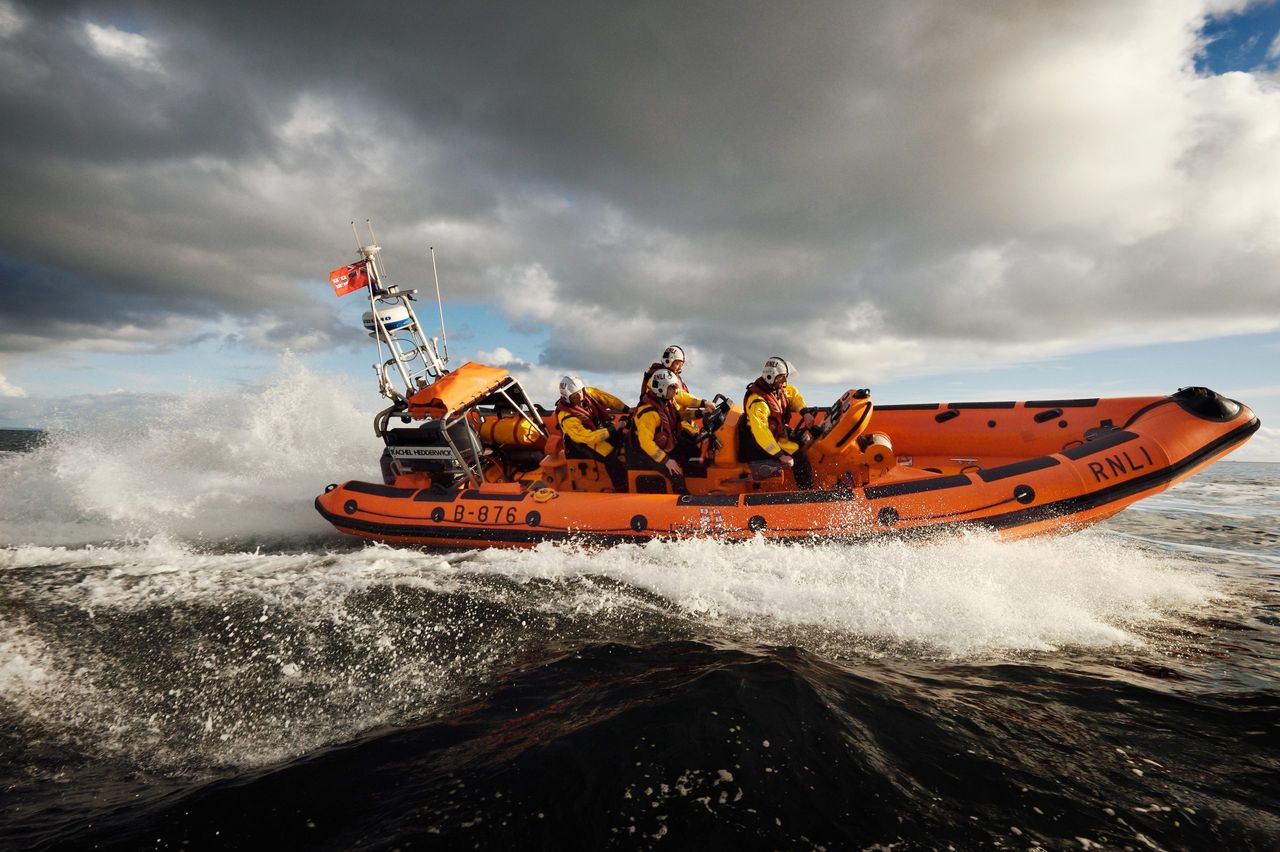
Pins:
x: 612, y: 463
x: 686, y: 448
x: 749, y: 450
x: 803, y: 471
x: 647, y: 464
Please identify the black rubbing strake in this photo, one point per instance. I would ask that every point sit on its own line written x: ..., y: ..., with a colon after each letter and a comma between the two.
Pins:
x: 916, y: 486
x: 708, y: 500
x: 436, y: 495
x: 379, y: 490
x: 786, y: 498
x: 480, y: 495
x: 1004, y: 471
x: 1061, y: 403
x: 1100, y: 444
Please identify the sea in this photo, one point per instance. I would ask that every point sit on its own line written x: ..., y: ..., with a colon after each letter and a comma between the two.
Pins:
x: 191, y: 659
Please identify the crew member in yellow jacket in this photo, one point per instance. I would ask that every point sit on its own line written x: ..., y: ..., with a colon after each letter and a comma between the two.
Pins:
x: 661, y: 438
x: 673, y: 360
x: 762, y: 430
x: 583, y: 414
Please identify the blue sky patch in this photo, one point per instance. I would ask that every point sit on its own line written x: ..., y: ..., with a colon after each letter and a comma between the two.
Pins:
x: 1244, y: 41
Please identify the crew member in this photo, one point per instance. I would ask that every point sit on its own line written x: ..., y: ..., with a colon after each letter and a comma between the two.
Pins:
x: 673, y: 360
x: 762, y: 430
x: 660, y: 435
x: 583, y: 415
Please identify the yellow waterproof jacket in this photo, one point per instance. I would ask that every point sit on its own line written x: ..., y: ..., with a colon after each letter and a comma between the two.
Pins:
x: 573, y: 428
x: 647, y: 422
x: 688, y: 404
x: 757, y: 414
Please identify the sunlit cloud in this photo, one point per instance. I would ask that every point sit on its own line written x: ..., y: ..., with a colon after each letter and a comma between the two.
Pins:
x: 9, y: 389
x: 133, y: 49
x: 923, y: 189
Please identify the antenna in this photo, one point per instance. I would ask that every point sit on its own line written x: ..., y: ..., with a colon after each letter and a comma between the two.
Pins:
x: 439, y: 304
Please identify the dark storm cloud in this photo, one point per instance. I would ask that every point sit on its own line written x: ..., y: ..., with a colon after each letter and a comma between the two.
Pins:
x: 831, y: 180
x: 69, y: 101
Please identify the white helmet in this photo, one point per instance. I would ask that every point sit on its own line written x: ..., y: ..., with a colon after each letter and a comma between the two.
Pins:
x: 672, y: 354
x: 570, y: 385
x: 774, y: 367
x: 664, y: 384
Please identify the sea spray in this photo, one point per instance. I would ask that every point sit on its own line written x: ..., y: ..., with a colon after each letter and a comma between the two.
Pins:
x: 179, y: 658
x: 965, y: 595
x: 205, y: 466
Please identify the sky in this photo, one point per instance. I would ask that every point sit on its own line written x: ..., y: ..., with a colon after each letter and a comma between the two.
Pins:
x: 942, y: 201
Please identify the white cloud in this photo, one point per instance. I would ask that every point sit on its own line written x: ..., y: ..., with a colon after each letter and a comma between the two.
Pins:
x: 1273, y: 52
x: 7, y: 388
x: 580, y: 325
x: 132, y: 49
x: 500, y: 357
x: 1250, y: 393
x: 541, y: 383
x: 929, y: 187
x: 1264, y: 446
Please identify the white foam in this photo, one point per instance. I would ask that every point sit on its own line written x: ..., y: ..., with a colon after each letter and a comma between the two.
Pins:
x: 263, y: 631
x: 161, y: 570
x: 202, y: 466
x: 963, y: 596
x: 312, y: 665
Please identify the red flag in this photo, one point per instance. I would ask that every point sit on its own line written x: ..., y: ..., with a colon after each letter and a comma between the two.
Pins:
x: 350, y: 278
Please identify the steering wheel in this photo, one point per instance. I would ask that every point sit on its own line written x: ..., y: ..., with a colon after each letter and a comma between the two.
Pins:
x: 712, y: 422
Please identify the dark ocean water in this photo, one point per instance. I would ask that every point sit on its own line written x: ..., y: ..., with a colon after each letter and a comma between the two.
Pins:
x: 189, y: 659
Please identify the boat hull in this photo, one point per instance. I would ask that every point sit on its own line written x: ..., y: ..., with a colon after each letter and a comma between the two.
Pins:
x: 1092, y: 474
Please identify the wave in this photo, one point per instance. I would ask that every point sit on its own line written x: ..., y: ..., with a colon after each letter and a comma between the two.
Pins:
x: 174, y: 658
x: 962, y: 595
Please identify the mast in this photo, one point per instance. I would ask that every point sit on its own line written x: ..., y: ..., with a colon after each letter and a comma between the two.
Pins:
x: 392, y: 322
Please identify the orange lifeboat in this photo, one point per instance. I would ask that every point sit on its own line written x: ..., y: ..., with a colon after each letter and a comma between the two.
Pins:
x: 487, y: 468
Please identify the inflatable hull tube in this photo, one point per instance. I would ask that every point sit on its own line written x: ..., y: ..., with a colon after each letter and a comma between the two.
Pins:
x: 1015, y: 468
